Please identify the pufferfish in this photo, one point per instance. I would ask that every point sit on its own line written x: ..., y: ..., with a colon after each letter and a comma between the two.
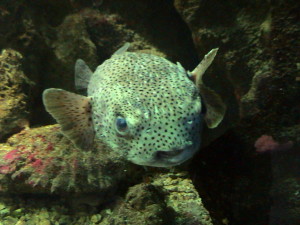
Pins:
x: 143, y: 106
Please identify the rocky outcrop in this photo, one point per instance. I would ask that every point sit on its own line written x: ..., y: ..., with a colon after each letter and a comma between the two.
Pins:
x: 257, y: 73
x: 162, y: 198
x: 15, y: 89
x: 43, y: 160
x: 260, y: 71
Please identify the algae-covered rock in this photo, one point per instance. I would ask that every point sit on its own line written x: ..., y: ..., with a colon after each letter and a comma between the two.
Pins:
x: 181, y: 196
x: 14, y: 94
x: 71, y: 41
x: 260, y: 72
x: 167, y: 198
x: 143, y: 204
x: 257, y: 73
x: 162, y: 198
x: 151, y: 25
x: 44, y: 159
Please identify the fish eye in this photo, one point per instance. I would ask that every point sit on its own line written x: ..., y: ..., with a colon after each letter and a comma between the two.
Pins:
x: 121, y: 124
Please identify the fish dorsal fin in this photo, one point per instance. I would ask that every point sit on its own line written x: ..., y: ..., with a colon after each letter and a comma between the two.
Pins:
x: 82, y: 75
x: 73, y: 113
x: 123, y: 49
x: 215, y: 108
x: 180, y: 68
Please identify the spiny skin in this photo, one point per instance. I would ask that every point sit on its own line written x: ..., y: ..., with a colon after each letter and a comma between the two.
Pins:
x: 161, y: 105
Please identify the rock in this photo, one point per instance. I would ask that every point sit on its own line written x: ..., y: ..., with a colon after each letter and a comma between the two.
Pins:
x: 181, y: 196
x: 43, y: 159
x: 256, y: 73
x: 71, y: 43
x: 17, y: 212
x: 170, y: 198
x: 14, y: 94
x: 285, y: 187
x: 162, y: 32
x: 96, y: 218
x: 142, y: 204
x: 4, y: 212
x: 9, y: 220
x: 163, y: 197
x: 21, y: 222
x: 256, y: 83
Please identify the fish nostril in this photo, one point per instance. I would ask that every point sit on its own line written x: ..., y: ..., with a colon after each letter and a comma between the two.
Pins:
x: 168, y: 154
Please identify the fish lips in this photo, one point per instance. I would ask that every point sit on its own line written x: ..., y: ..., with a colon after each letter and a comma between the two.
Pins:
x: 172, y: 157
x: 168, y: 154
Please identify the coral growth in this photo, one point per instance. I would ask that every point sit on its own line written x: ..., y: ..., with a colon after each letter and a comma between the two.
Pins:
x: 43, y: 157
x: 266, y: 143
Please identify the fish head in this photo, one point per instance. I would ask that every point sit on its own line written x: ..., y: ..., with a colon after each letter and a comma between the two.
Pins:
x: 158, y: 128
x: 155, y: 120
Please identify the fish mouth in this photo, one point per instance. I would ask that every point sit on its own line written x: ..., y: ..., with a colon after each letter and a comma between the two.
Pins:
x: 168, y: 154
x: 167, y: 158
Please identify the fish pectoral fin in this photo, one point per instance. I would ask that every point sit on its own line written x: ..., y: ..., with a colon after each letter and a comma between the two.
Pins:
x: 198, y: 72
x: 73, y: 113
x: 82, y: 75
x: 215, y: 108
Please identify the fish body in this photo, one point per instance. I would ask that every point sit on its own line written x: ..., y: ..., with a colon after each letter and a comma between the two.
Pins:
x: 145, y: 107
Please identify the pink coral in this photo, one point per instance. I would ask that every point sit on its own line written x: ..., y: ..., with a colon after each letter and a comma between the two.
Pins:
x: 38, y: 165
x: 267, y: 143
x: 5, y: 169
x: 49, y: 147
x: 11, y: 155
